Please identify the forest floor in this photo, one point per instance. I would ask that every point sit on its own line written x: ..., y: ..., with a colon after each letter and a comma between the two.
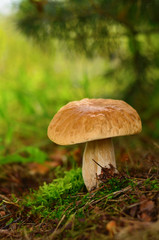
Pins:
x: 126, y: 206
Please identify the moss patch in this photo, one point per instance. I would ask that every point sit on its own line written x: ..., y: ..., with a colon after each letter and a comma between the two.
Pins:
x: 67, y: 195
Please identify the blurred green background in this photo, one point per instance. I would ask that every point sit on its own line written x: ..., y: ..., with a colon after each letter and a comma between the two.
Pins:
x: 53, y: 52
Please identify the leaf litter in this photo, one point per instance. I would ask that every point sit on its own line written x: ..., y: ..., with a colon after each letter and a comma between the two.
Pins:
x: 122, y: 204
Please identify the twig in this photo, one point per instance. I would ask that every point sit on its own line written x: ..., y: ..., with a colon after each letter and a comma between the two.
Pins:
x: 4, y: 197
x: 14, y: 221
x: 55, y: 231
x: 103, y: 168
x: 11, y: 203
x: 156, y: 144
x: 62, y: 229
x: 26, y: 234
x: 115, y: 194
x: 97, y: 163
x: 135, y: 204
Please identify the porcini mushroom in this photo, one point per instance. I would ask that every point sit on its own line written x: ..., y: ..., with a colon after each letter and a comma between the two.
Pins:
x: 94, y: 121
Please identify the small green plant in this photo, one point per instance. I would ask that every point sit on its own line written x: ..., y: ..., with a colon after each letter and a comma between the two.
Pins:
x: 53, y: 199
x: 152, y: 184
x: 65, y: 196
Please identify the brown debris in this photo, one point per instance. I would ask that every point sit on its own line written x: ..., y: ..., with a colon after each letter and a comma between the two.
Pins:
x: 106, y: 173
x: 111, y: 228
x: 119, y: 217
x: 146, y: 209
x: 38, y: 168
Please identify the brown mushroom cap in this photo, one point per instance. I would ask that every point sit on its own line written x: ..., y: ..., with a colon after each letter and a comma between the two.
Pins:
x: 92, y: 119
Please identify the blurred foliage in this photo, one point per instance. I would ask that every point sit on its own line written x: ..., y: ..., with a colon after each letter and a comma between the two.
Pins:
x: 26, y: 155
x: 107, y: 49
x: 124, y: 33
x: 35, y: 83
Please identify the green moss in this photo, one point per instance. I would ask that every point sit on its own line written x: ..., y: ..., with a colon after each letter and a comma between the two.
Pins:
x: 62, y: 195
x: 51, y: 200
x: 152, y: 184
x: 67, y: 195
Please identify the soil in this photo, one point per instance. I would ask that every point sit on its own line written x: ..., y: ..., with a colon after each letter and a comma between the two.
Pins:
x: 138, y: 220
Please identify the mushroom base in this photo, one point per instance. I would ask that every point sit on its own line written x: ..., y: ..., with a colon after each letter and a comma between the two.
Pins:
x: 102, y: 151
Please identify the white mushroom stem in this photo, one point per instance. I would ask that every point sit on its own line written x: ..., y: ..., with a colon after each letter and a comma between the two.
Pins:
x: 102, y: 151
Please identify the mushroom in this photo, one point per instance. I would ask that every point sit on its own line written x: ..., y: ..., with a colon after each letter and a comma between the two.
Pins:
x: 94, y: 121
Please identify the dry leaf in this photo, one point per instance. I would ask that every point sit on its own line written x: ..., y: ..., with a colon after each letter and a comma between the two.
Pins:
x: 2, y: 213
x: 52, y: 164
x: 145, y: 217
x: 38, y: 168
x: 77, y: 154
x: 147, y: 205
x: 146, y: 210
x: 124, y: 157
x: 59, y: 155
